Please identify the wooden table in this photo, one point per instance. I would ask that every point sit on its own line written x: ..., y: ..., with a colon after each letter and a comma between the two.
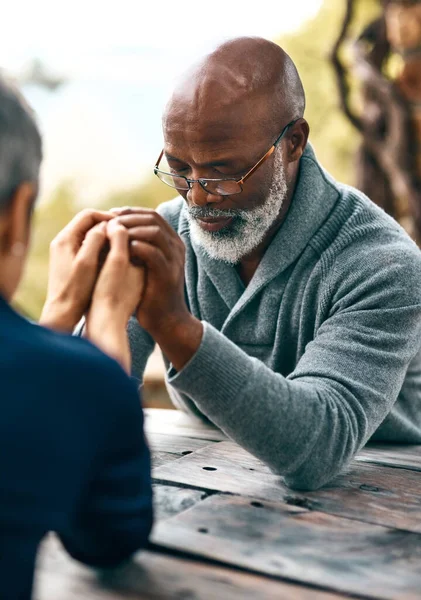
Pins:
x: 228, y: 528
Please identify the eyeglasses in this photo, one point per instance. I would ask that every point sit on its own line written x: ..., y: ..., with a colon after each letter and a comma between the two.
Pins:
x: 218, y: 187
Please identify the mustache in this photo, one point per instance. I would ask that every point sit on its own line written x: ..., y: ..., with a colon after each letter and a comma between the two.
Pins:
x: 199, y: 212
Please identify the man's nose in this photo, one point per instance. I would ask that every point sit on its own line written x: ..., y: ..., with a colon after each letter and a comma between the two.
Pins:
x: 198, y: 196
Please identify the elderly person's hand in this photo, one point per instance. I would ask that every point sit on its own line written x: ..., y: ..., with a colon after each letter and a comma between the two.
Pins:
x: 74, y: 262
x: 156, y: 245
x: 163, y: 311
x: 116, y: 296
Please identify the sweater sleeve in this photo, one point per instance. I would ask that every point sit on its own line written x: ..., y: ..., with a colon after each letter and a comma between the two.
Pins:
x: 309, y: 425
x: 141, y: 347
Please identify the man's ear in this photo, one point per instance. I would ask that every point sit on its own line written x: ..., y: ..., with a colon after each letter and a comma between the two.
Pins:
x: 298, y: 140
x: 18, y: 216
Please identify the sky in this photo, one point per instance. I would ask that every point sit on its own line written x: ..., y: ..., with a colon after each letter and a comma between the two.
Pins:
x: 102, y: 128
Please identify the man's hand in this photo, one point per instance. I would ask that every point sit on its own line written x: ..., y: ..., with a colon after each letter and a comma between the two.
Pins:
x: 163, y: 311
x: 74, y: 260
x: 117, y: 293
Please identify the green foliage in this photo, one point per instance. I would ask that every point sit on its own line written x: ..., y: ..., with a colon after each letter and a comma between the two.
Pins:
x: 334, y: 138
x: 50, y: 217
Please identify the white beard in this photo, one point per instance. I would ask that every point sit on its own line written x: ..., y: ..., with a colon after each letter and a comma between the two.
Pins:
x: 248, y: 228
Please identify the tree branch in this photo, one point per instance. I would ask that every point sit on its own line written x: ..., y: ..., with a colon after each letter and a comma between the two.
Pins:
x: 339, y: 69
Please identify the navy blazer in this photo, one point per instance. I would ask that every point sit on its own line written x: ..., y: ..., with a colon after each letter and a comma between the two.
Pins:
x: 73, y: 457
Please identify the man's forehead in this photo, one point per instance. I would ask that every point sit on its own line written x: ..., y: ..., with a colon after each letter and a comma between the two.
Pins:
x: 214, y: 140
x: 204, y: 151
x: 241, y: 121
x: 203, y: 131
x: 210, y: 85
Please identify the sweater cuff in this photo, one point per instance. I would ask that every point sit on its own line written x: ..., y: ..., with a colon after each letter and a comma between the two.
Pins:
x: 217, y: 372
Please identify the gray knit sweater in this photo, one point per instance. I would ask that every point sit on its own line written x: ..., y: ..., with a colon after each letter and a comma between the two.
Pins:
x: 319, y: 353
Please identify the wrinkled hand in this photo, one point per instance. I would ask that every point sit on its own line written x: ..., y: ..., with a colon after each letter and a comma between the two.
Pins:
x: 156, y: 245
x: 73, y: 269
x: 117, y: 293
x: 120, y: 283
x: 163, y: 311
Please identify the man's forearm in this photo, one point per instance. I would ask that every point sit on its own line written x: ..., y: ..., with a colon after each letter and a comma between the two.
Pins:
x: 306, y: 428
x: 179, y: 339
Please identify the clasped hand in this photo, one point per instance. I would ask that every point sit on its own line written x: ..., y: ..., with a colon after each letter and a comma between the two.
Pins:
x: 79, y: 285
x: 143, y: 273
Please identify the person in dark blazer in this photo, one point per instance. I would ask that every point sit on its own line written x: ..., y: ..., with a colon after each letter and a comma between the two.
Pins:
x: 73, y: 457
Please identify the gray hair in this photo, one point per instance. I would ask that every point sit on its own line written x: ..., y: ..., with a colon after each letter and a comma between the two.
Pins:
x: 20, y: 142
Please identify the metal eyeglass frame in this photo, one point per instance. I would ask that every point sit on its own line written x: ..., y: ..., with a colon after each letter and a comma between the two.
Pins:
x: 203, y: 182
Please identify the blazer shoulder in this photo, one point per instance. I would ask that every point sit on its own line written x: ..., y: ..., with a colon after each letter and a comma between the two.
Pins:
x: 74, y: 360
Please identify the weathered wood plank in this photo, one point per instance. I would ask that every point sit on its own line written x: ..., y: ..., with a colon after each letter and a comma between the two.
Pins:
x: 153, y: 576
x: 162, y: 458
x: 175, y: 422
x: 176, y: 444
x: 392, y: 455
x: 162, y: 421
x: 166, y: 448
x: 310, y: 547
x: 171, y: 500
x: 371, y: 493
x: 224, y: 467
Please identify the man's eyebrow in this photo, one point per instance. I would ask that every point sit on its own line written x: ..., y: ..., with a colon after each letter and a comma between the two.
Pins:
x: 170, y: 157
x: 214, y: 163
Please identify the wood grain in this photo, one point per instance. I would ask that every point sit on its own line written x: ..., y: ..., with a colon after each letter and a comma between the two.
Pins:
x: 171, y: 500
x: 176, y: 444
x: 162, y: 458
x: 392, y: 455
x: 309, y: 547
x: 166, y: 448
x: 370, y: 493
x: 153, y: 576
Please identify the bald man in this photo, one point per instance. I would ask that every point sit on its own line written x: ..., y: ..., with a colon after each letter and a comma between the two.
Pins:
x: 287, y: 305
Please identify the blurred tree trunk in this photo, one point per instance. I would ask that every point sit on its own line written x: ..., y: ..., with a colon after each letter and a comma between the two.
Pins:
x: 389, y: 117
